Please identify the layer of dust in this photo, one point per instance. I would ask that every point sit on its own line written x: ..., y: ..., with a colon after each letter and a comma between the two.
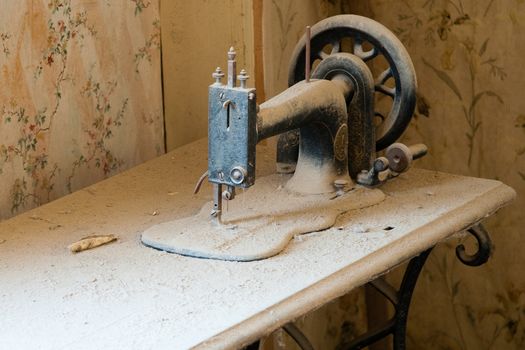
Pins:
x: 258, y: 224
x: 128, y: 296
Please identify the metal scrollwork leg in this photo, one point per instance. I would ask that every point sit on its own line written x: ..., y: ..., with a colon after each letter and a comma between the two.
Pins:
x: 484, y: 247
x: 401, y: 302
x: 401, y: 299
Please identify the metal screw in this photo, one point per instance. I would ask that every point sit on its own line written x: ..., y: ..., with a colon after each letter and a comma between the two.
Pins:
x: 237, y: 175
x: 217, y: 75
x: 340, y: 185
x: 243, y: 76
x: 226, y: 195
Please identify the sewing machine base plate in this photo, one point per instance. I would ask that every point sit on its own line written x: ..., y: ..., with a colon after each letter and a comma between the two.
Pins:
x: 258, y: 224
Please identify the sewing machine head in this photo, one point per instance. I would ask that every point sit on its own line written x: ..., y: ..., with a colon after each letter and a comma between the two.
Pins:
x: 326, y: 118
x: 231, y: 129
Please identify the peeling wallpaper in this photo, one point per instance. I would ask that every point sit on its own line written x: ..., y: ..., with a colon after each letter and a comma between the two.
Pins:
x: 74, y: 78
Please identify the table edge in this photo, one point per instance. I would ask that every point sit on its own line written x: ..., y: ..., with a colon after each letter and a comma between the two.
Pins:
x: 359, y: 273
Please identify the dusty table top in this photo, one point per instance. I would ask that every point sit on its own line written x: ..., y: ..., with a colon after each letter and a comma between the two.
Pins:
x: 125, y: 295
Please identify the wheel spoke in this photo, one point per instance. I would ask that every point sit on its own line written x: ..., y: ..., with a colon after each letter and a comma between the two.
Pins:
x: 386, y: 90
x: 336, y: 47
x: 384, y: 76
x: 364, y: 55
x: 322, y: 55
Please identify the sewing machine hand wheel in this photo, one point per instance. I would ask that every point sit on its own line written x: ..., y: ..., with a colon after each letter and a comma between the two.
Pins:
x: 352, y: 33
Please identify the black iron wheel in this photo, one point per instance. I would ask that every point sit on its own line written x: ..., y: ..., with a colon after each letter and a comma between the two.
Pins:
x: 368, y: 40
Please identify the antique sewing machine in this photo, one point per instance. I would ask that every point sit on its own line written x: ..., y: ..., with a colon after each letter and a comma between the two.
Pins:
x: 332, y: 110
x: 330, y: 128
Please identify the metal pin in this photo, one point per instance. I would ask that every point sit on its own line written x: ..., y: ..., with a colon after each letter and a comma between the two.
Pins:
x: 217, y: 75
x: 243, y: 76
x: 232, y: 67
x: 307, y: 55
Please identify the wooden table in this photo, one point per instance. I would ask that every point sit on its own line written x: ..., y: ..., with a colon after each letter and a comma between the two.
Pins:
x: 125, y: 295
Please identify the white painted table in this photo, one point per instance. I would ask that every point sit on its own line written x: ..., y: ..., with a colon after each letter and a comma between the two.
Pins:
x: 127, y: 296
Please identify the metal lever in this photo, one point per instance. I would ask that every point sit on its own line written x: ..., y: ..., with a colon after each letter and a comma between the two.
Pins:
x: 371, y: 177
x: 398, y: 159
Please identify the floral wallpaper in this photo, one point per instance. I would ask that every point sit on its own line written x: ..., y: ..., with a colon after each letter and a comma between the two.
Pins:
x: 75, y: 75
x: 468, y: 55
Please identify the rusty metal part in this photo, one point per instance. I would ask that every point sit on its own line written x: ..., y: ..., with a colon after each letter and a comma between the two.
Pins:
x: 400, y: 156
x: 362, y: 31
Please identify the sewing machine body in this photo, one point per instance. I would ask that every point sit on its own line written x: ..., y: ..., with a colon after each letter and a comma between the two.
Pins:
x: 332, y: 108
